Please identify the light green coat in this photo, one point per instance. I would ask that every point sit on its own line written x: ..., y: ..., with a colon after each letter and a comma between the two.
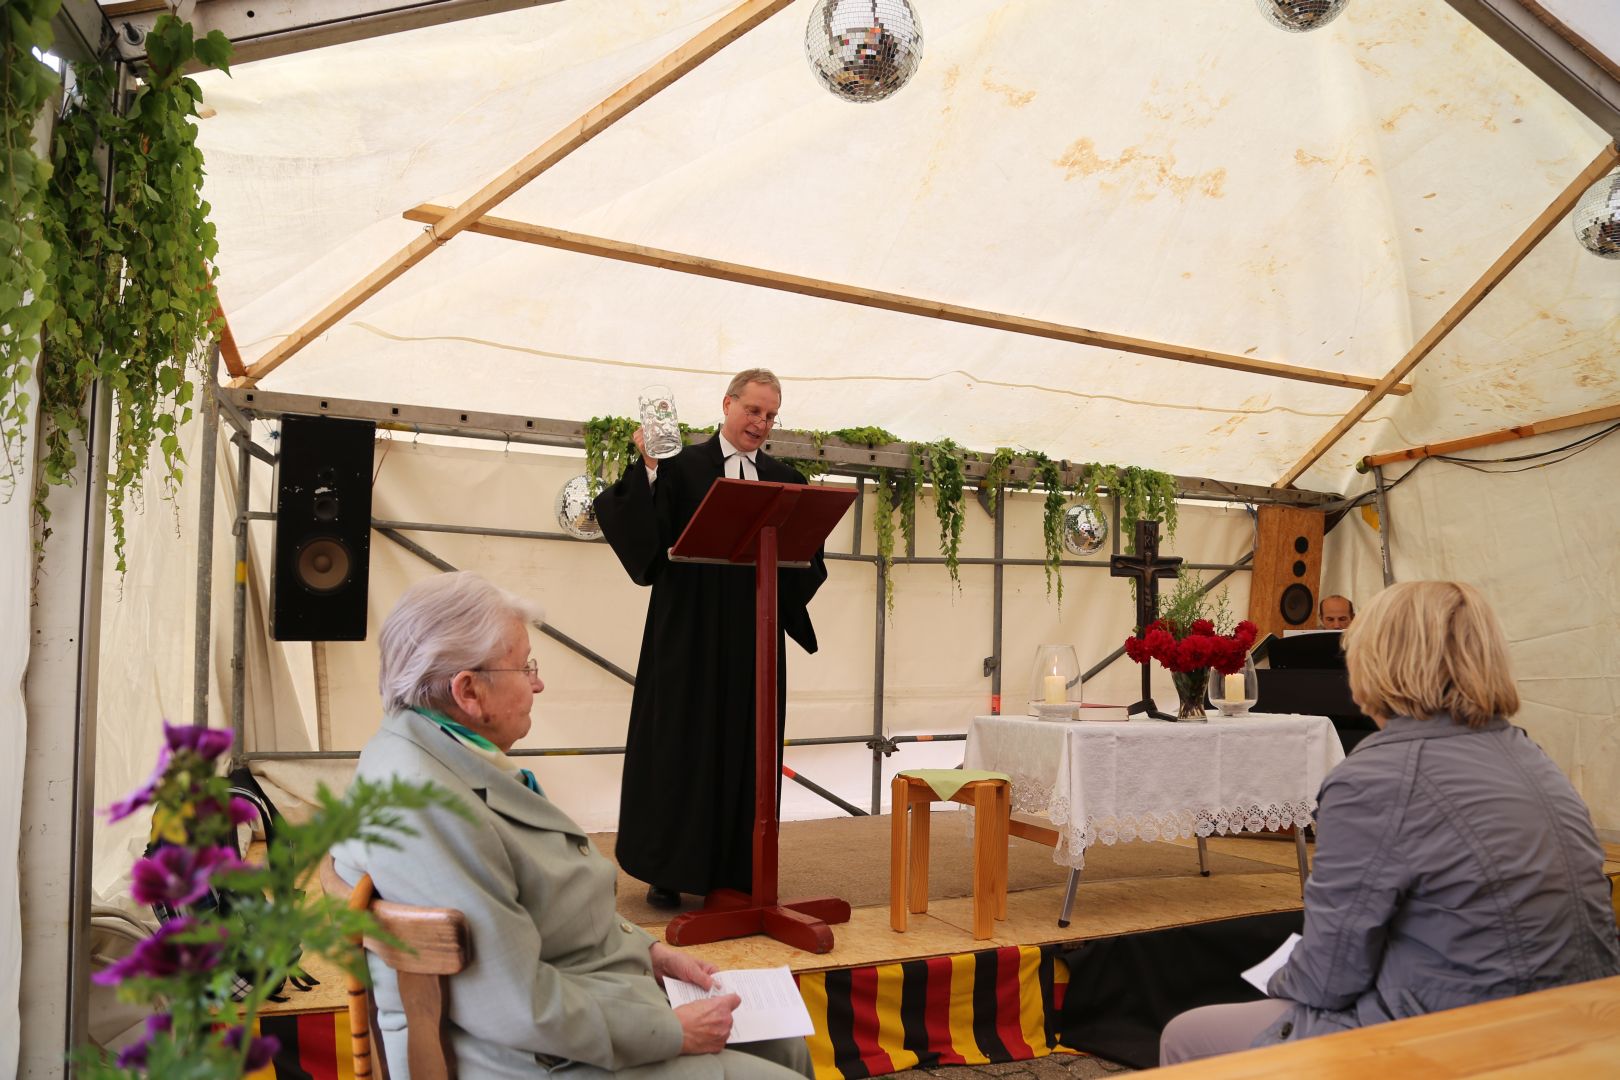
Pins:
x: 556, y: 975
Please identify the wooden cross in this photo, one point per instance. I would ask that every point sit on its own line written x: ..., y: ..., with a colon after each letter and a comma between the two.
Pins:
x: 1145, y: 568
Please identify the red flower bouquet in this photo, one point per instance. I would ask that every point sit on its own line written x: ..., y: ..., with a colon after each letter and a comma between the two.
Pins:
x: 1198, y: 647
x: 1188, y: 642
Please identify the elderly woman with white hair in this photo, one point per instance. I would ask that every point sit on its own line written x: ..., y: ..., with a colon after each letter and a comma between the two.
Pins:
x: 1454, y: 863
x: 558, y: 984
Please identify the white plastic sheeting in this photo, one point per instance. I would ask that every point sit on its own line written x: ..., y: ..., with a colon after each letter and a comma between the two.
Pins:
x: 1180, y: 172
x: 16, y: 562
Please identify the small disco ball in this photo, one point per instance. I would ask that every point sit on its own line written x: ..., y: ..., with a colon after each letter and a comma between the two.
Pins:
x: 863, y: 50
x: 1084, y: 530
x: 574, y: 511
x: 1298, y: 16
x: 1597, y: 217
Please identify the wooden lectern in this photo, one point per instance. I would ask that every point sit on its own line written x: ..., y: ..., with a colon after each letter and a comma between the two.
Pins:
x: 769, y: 525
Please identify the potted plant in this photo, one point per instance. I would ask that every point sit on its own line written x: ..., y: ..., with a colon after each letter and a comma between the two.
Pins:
x: 241, y: 927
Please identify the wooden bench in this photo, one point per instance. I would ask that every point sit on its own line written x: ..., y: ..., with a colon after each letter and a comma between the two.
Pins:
x: 1573, y: 1031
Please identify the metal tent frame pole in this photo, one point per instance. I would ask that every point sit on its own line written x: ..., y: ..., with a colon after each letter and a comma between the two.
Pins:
x: 239, y: 406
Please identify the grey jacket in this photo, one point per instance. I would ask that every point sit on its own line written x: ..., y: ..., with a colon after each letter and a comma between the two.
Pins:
x: 555, y: 972
x: 1453, y: 865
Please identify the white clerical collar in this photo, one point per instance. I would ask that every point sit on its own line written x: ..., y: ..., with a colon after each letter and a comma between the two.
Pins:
x: 731, y: 451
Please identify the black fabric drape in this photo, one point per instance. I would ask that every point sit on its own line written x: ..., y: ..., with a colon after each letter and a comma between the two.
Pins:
x: 686, y: 808
x: 1123, y: 990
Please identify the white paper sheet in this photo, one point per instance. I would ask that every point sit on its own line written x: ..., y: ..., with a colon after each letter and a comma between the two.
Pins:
x: 1259, y: 975
x: 771, y: 1007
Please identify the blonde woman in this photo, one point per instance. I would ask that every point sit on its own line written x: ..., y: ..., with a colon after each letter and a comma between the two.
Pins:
x: 1454, y: 862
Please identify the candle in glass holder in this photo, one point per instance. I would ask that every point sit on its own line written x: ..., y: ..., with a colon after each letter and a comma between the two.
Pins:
x: 1057, y: 690
x: 1234, y: 687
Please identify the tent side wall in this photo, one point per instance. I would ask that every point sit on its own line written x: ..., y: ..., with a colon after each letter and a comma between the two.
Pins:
x: 1541, y: 545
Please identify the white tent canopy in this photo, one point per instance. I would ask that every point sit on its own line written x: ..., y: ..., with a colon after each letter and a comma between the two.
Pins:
x: 1177, y: 172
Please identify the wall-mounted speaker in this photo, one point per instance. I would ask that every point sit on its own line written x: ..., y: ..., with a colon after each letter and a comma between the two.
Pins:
x: 322, y: 561
x: 1287, y: 569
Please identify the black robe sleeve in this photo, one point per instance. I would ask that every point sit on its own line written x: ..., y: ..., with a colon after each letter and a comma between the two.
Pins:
x: 636, y: 520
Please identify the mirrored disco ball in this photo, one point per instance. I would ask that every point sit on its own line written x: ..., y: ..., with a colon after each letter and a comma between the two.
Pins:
x: 1298, y: 16
x: 1084, y: 531
x: 1597, y: 217
x: 574, y: 511
x: 863, y: 50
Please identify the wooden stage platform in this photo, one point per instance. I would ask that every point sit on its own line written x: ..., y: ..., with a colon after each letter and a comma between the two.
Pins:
x: 996, y: 999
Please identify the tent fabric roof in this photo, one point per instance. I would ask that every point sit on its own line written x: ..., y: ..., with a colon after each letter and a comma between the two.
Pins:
x: 1183, y: 173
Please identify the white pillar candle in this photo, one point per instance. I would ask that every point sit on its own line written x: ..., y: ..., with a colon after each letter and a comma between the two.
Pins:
x: 1057, y: 690
x: 1234, y: 687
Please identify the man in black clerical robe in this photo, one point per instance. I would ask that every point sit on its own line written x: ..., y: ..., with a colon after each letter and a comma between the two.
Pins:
x: 686, y: 809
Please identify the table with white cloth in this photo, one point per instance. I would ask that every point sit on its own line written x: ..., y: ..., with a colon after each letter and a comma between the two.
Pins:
x: 1116, y: 781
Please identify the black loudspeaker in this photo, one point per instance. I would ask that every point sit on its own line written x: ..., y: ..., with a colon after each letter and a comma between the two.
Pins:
x: 323, y: 529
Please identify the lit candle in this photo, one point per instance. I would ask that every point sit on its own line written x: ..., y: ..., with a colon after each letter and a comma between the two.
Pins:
x: 1234, y: 687
x: 1057, y: 690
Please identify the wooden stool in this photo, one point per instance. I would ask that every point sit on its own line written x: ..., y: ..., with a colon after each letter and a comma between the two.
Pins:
x: 991, y: 800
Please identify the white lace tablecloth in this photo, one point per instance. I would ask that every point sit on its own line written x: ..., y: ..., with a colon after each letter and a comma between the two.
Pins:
x: 1111, y: 782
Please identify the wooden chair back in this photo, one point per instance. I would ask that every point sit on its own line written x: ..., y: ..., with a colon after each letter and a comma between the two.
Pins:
x: 433, y: 945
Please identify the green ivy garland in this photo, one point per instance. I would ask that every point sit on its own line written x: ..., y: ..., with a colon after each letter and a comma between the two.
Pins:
x: 944, y: 464
x: 610, y: 448
x: 134, y: 288
x: 25, y: 293
x: 996, y: 473
x: 1049, y: 475
x: 1145, y: 495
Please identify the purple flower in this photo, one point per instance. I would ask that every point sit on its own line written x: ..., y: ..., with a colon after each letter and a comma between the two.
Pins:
x: 133, y: 1056
x: 260, y: 1050
x: 177, y: 875
x: 160, y: 956
x: 206, y: 743
x: 141, y: 796
x: 241, y: 811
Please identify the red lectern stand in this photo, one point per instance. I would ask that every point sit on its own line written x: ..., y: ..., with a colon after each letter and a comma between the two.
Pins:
x: 768, y: 525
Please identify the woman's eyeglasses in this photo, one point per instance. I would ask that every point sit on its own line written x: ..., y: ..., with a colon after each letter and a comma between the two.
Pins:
x: 531, y: 669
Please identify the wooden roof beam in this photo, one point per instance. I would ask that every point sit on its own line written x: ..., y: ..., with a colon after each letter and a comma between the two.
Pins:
x: 1491, y: 438
x: 1538, y: 229
x: 576, y: 134
x: 560, y: 239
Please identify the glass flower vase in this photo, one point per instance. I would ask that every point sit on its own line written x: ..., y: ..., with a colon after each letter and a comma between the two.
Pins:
x: 1190, y: 688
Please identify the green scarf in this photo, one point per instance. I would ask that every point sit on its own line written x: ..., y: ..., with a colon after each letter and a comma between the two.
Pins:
x: 481, y: 746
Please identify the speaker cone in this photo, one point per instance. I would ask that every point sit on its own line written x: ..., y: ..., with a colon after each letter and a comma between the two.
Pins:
x: 1297, y: 604
x: 323, y: 564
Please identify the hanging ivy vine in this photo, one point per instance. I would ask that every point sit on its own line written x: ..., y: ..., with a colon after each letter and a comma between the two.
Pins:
x: 944, y: 464
x: 130, y: 268
x: 25, y: 294
x: 1049, y: 475
x: 610, y: 448
x: 941, y: 467
x: 996, y: 472
x: 1144, y: 495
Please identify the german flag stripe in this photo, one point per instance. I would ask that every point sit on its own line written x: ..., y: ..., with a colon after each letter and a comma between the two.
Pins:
x: 988, y: 1007
x: 288, y: 1063
x: 944, y: 1021
x: 840, y: 1027
x: 920, y: 1050
x: 982, y: 1006
x: 970, y: 1009
x: 864, y: 1028
x: 317, y: 1045
x: 889, y: 1006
